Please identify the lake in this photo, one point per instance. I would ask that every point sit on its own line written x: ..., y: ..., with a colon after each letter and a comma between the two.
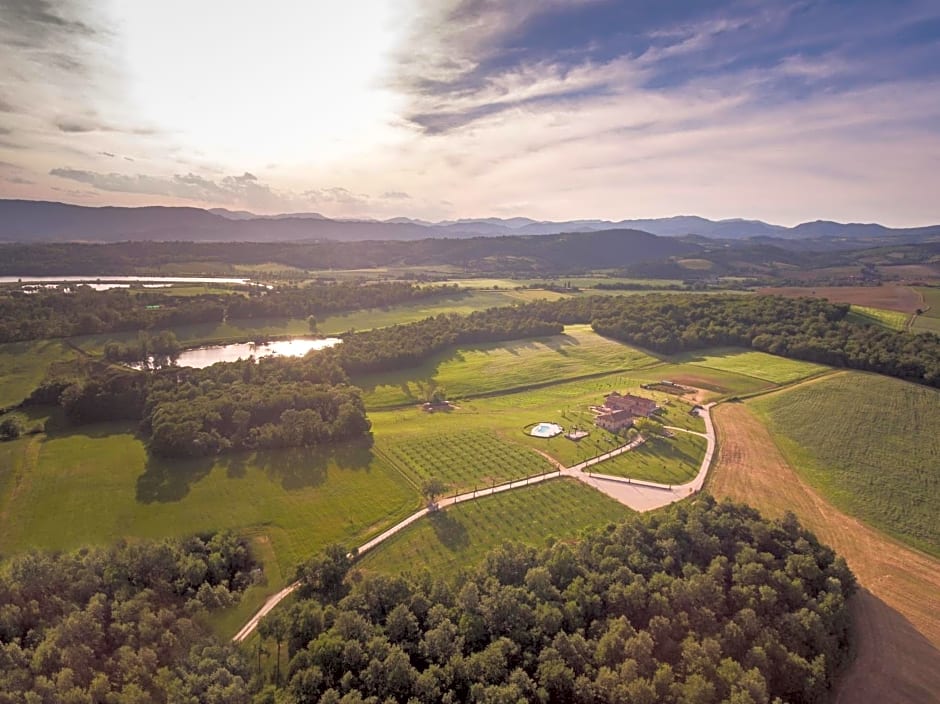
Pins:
x: 200, y: 357
x: 135, y: 279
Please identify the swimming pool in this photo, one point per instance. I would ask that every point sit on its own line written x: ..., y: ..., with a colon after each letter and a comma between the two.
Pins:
x: 546, y: 430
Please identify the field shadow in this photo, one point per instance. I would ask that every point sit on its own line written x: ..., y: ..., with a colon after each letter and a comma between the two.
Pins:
x: 166, y: 480
x: 894, y: 662
x: 305, y: 467
x: 451, y: 533
x: 58, y: 426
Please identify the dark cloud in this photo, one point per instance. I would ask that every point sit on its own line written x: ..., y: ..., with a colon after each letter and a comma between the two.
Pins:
x: 107, y: 154
x: 396, y: 195
x: 20, y: 181
x: 77, y: 126
x: 5, y: 130
x: 245, y: 189
x: 40, y: 23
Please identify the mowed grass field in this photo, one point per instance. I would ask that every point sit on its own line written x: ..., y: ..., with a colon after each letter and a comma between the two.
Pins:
x: 870, y: 444
x: 759, y: 365
x: 23, y: 365
x: 98, y: 484
x: 487, y: 368
x: 896, y: 620
x: 458, y: 538
x: 667, y: 460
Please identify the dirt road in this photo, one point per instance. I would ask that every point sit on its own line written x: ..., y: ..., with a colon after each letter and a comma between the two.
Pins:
x: 897, y: 612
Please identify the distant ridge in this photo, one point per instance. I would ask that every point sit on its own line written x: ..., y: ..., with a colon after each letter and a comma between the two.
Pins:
x: 44, y: 221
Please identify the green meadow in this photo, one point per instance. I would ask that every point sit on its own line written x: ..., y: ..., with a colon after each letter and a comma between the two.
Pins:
x: 458, y: 538
x: 23, y: 365
x: 487, y: 368
x: 871, y: 444
x: 759, y: 365
x: 98, y: 483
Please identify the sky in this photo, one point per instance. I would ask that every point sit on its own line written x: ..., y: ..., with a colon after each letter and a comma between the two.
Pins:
x: 440, y: 109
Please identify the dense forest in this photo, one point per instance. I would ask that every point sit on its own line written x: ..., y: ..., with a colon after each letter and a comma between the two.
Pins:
x: 703, y: 602
x: 185, y: 412
x: 122, y: 625
x: 804, y: 328
x: 247, y: 405
x: 50, y: 313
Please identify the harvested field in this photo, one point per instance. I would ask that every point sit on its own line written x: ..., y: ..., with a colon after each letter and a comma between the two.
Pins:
x: 898, y: 626
x: 899, y: 298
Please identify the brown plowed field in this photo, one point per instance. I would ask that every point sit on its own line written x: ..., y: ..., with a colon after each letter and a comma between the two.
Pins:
x: 899, y: 298
x: 897, y: 612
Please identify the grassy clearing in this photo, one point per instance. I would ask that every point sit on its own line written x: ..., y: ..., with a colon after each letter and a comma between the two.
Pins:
x: 459, y: 537
x: 480, y: 369
x: 870, y: 445
x: 23, y: 365
x: 930, y: 320
x: 674, y: 460
x: 463, y: 460
x: 98, y: 485
x: 759, y: 365
x: 891, y: 319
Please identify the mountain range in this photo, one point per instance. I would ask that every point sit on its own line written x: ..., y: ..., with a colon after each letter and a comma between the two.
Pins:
x: 44, y: 221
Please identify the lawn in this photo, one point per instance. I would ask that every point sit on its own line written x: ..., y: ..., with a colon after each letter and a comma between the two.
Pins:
x: 870, y: 444
x: 674, y: 460
x: 458, y: 538
x: 23, y: 365
x: 759, y: 365
x: 97, y: 485
x: 891, y: 319
x: 486, y: 368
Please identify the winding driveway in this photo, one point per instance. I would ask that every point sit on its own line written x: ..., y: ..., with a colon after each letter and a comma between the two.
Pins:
x: 638, y: 495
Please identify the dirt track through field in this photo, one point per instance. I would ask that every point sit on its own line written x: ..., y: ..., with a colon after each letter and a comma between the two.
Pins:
x: 897, y: 612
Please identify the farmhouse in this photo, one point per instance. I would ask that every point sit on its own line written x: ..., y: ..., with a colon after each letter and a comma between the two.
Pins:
x: 619, y: 411
x: 614, y: 421
x: 635, y: 405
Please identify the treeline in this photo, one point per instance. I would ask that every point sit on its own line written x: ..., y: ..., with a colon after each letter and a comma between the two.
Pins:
x: 704, y: 603
x: 808, y: 329
x: 50, y: 313
x: 122, y: 625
